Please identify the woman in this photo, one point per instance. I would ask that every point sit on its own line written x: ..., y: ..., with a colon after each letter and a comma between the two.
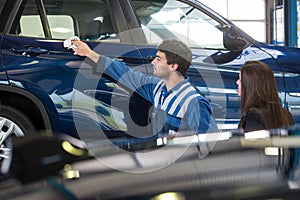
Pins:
x: 260, y: 103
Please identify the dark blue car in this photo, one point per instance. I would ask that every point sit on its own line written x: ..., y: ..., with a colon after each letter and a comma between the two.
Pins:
x: 44, y: 87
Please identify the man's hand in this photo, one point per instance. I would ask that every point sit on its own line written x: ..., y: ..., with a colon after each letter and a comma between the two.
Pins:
x: 82, y: 49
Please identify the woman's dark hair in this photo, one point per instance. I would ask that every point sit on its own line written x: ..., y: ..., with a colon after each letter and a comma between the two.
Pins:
x: 177, y: 53
x: 259, y: 93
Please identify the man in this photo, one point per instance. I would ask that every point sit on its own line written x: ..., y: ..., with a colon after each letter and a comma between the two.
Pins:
x: 178, y: 105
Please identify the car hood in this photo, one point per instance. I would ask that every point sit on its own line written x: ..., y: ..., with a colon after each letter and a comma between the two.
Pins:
x: 287, y: 57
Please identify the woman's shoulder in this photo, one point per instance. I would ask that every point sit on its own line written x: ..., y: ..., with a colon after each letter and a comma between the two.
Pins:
x: 253, y: 112
x: 253, y: 120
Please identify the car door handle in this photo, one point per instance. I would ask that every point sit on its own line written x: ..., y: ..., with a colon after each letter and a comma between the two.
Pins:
x: 132, y: 60
x: 29, y: 50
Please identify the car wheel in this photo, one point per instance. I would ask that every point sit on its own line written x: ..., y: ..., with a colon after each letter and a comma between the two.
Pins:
x: 13, y: 123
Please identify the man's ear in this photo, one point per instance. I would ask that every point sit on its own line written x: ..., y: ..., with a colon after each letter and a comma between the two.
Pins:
x: 174, y: 66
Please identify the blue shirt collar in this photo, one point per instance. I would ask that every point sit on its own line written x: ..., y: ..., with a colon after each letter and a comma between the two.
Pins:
x: 164, y: 89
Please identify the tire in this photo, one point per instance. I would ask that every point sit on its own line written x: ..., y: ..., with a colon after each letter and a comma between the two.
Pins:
x: 12, y: 123
x: 16, y: 117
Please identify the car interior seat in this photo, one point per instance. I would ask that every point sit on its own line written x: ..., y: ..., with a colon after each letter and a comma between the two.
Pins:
x: 90, y: 29
x: 106, y: 28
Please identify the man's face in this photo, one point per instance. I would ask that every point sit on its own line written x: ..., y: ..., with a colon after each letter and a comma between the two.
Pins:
x: 160, y: 67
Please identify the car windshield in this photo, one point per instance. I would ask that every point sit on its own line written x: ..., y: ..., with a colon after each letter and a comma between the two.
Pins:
x: 173, y: 19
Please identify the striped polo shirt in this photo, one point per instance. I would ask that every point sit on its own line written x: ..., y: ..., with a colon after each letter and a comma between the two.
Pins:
x: 180, y: 108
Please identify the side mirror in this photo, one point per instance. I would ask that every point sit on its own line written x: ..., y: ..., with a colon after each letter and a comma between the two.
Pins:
x: 232, y: 40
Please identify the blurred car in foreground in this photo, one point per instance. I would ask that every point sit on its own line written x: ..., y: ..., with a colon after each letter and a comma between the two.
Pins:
x: 228, y: 165
x: 45, y: 87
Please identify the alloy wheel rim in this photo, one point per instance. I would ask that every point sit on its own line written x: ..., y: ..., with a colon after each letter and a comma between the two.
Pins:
x: 7, y: 129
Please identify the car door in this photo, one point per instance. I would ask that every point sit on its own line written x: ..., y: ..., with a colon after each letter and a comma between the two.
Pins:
x: 3, y: 77
x: 79, y: 102
x: 219, y: 49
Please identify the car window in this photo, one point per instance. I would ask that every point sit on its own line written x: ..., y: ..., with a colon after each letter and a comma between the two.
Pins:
x: 3, y: 12
x: 174, y: 19
x: 87, y: 19
x: 2, y: 2
x: 61, y: 26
